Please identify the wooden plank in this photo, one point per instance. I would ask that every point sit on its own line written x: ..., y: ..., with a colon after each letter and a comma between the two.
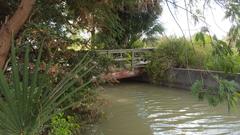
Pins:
x: 121, y: 59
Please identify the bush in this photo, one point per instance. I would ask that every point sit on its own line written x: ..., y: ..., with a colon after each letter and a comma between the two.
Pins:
x: 63, y: 125
x: 174, y: 53
x: 228, y: 64
x: 180, y: 53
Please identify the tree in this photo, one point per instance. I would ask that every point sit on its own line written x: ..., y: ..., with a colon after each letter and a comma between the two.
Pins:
x: 62, y: 17
x: 134, y: 20
x: 12, y: 26
x: 114, y: 23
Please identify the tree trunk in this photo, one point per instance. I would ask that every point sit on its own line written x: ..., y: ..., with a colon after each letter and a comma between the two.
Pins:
x: 12, y: 27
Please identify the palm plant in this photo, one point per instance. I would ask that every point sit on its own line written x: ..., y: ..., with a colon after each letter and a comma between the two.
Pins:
x: 25, y: 104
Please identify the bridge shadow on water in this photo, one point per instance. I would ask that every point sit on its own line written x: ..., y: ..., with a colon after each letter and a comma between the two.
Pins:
x: 137, y: 79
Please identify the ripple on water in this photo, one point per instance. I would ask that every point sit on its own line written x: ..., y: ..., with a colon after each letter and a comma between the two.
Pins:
x: 155, y: 115
x: 172, y: 118
x: 173, y: 112
x: 194, y: 114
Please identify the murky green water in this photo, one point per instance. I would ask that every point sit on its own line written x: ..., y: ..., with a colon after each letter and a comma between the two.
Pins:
x: 143, y: 109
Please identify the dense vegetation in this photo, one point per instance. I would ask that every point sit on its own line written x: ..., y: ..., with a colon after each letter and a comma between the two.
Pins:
x: 176, y: 52
x: 47, y: 88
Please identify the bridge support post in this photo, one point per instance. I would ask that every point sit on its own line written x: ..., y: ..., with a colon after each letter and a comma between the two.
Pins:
x: 132, y: 60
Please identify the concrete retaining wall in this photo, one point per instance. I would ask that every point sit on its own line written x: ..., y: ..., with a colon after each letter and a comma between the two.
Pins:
x: 184, y: 78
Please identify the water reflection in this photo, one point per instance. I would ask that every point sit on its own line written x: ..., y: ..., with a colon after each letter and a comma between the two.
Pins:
x: 148, y: 110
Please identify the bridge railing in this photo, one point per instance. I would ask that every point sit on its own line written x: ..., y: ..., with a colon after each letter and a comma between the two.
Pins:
x: 135, y: 57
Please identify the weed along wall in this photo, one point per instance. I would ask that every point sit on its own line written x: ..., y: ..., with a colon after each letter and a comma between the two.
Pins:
x: 184, y: 78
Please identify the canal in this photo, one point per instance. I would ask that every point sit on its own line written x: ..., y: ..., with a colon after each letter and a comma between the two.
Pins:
x: 144, y: 109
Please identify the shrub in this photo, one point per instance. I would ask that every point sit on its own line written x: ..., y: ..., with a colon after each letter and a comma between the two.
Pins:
x: 228, y: 64
x: 174, y: 52
x: 26, y: 105
x: 63, y: 125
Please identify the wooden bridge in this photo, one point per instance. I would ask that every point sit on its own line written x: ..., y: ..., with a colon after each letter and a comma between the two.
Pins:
x: 130, y: 62
x: 135, y: 57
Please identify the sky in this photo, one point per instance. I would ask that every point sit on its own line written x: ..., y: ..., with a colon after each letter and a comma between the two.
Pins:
x: 214, y: 17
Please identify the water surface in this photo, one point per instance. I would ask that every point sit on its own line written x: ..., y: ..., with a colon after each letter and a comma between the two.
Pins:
x: 144, y: 109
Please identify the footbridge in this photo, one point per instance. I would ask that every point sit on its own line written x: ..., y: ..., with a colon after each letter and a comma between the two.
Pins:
x: 127, y: 62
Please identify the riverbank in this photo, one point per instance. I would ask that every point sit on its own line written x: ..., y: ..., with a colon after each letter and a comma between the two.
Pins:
x: 183, y: 78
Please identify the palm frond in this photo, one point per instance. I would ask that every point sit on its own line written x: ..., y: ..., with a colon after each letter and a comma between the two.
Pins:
x: 25, y: 104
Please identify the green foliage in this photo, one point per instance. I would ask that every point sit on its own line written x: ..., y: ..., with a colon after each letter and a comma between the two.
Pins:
x: 232, y: 10
x: 110, y: 24
x: 234, y: 37
x: 134, y: 20
x: 173, y: 53
x: 61, y: 125
x: 26, y: 104
x: 228, y: 64
x: 138, y: 44
x: 104, y: 61
x: 220, y: 47
x: 197, y: 88
x: 221, y: 56
x: 201, y: 38
x: 225, y: 91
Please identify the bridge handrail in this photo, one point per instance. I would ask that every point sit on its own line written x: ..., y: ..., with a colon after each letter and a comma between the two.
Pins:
x: 136, y: 61
x: 126, y: 50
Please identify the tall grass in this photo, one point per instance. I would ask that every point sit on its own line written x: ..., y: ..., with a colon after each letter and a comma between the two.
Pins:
x: 175, y: 52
